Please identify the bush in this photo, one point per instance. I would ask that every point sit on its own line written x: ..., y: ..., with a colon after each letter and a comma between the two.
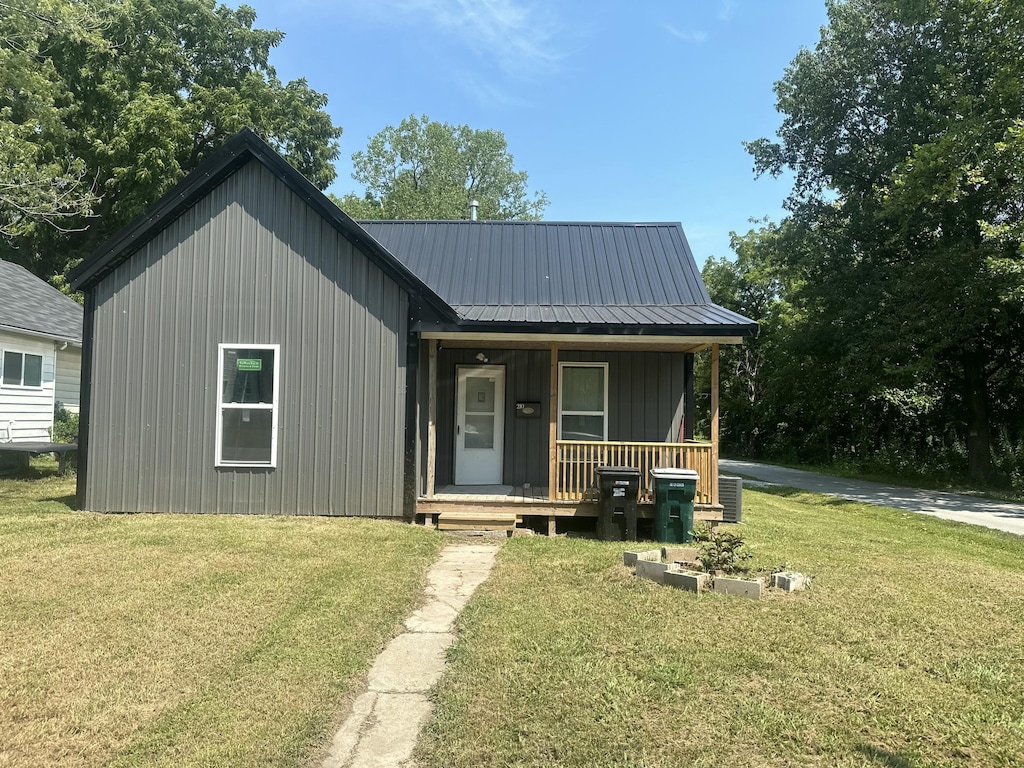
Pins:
x: 65, y: 425
x: 719, y: 550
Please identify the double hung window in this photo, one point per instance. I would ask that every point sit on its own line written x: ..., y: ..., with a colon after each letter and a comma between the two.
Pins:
x: 22, y: 370
x: 248, y: 405
x: 583, y: 401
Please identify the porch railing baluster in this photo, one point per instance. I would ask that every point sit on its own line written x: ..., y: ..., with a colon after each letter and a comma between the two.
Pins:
x: 578, y: 460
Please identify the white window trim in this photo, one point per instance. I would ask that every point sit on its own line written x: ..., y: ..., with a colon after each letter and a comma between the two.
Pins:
x: 29, y: 387
x: 571, y: 364
x: 272, y: 406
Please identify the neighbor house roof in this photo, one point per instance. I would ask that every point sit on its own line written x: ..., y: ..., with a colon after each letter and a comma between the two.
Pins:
x: 32, y: 306
x: 566, y: 274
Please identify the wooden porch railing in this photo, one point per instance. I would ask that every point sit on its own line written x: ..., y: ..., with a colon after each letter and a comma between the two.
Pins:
x: 577, y: 461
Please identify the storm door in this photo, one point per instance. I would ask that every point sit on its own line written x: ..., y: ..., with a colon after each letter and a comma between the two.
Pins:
x: 479, y: 425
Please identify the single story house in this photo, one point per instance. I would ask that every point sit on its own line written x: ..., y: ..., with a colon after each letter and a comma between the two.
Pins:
x: 40, y: 354
x: 250, y: 348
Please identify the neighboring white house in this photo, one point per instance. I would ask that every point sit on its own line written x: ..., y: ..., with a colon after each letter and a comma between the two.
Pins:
x: 40, y: 354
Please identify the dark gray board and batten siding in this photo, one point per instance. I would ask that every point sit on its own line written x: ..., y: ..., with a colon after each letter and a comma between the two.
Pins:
x: 646, y: 395
x: 250, y: 262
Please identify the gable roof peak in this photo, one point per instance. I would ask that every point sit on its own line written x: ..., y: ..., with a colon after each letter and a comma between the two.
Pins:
x: 244, y: 147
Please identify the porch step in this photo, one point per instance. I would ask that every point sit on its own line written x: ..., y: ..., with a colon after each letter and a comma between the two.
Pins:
x: 476, y: 520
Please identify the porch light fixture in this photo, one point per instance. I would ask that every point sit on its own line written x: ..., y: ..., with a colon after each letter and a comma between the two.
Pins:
x: 481, y: 357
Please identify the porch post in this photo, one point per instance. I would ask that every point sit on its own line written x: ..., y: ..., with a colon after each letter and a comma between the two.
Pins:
x: 431, y: 415
x: 553, y: 426
x: 714, y: 423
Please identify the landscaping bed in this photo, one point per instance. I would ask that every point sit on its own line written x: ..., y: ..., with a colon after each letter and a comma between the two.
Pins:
x: 176, y: 640
x: 907, y: 651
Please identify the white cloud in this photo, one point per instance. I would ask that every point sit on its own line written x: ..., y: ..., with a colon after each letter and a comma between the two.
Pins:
x: 687, y: 35
x: 519, y: 39
x: 726, y: 9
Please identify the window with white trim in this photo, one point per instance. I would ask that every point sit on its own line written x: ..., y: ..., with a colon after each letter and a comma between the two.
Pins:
x: 583, y: 401
x: 22, y: 369
x: 248, y: 405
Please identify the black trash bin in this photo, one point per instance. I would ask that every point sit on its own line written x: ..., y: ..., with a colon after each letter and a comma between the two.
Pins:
x: 674, y: 490
x: 619, y: 487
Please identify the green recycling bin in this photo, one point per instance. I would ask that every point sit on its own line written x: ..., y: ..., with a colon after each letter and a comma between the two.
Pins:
x: 674, y: 490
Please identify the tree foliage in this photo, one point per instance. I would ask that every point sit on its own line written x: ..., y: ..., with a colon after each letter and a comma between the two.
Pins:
x: 903, y: 267
x: 423, y: 169
x: 40, y: 182
x: 122, y: 99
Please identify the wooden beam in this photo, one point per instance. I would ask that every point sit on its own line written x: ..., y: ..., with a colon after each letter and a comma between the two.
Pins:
x: 431, y: 415
x: 598, y: 340
x: 553, y: 426
x: 605, y: 343
x: 714, y: 423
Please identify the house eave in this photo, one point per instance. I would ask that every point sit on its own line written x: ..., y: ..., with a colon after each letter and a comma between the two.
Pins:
x: 584, y: 338
x: 41, y: 334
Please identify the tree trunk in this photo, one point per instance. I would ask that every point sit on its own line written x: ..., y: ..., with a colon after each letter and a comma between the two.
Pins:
x: 979, y: 438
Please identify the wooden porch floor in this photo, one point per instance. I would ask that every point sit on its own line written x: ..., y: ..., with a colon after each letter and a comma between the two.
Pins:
x: 511, y: 494
x: 479, y: 499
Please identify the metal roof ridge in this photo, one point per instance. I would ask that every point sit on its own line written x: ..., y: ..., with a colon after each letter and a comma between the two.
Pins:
x: 521, y: 222
x: 591, y: 304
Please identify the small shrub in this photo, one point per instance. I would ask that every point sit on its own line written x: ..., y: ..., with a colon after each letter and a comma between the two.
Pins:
x: 65, y: 425
x: 719, y: 550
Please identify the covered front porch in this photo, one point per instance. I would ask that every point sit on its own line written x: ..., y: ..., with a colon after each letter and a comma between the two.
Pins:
x: 631, y: 397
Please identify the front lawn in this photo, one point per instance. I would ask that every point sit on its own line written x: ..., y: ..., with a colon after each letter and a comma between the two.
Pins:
x: 907, y: 651
x: 177, y: 640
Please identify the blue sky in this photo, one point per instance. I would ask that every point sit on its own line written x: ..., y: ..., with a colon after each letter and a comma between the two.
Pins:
x: 619, y: 111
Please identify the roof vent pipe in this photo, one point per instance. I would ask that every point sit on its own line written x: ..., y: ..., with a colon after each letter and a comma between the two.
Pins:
x: 473, y: 206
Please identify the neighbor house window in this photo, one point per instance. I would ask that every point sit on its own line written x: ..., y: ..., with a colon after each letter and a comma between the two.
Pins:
x: 247, y: 410
x: 23, y: 370
x: 583, y: 401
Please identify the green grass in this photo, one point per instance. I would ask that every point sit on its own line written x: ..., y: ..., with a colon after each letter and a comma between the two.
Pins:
x: 907, y: 651
x: 175, y: 640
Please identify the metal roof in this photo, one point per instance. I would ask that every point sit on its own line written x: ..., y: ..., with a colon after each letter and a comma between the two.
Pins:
x: 562, y: 273
x: 668, y: 314
x: 627, y: 276
x: 30, y: 305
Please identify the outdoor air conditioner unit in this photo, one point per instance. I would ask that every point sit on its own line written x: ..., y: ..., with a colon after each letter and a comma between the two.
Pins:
x: 730, y: 496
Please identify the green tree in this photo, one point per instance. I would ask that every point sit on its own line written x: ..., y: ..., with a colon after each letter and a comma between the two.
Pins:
x: 753, y: 285
x: 902, y: 128
x: 424, y: 169
x: 42, y: 182
x: 166, y: 84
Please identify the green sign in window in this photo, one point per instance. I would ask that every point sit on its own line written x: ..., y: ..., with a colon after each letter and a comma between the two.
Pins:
x: 250, y: 364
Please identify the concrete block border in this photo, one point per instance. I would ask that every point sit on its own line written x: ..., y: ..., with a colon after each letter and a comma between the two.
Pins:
x: 749, y: 588
x: 631, y: 557
x: 691, y: 581
x: 790, y: 581
x: 647, y: 569
x: 650, y: 565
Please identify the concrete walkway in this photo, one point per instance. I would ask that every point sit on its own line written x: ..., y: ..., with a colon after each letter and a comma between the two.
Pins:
x: 386, y: 719
x: 1001, y: 515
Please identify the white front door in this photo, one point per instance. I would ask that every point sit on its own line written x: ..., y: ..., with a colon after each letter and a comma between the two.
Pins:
x: 479, y: 424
